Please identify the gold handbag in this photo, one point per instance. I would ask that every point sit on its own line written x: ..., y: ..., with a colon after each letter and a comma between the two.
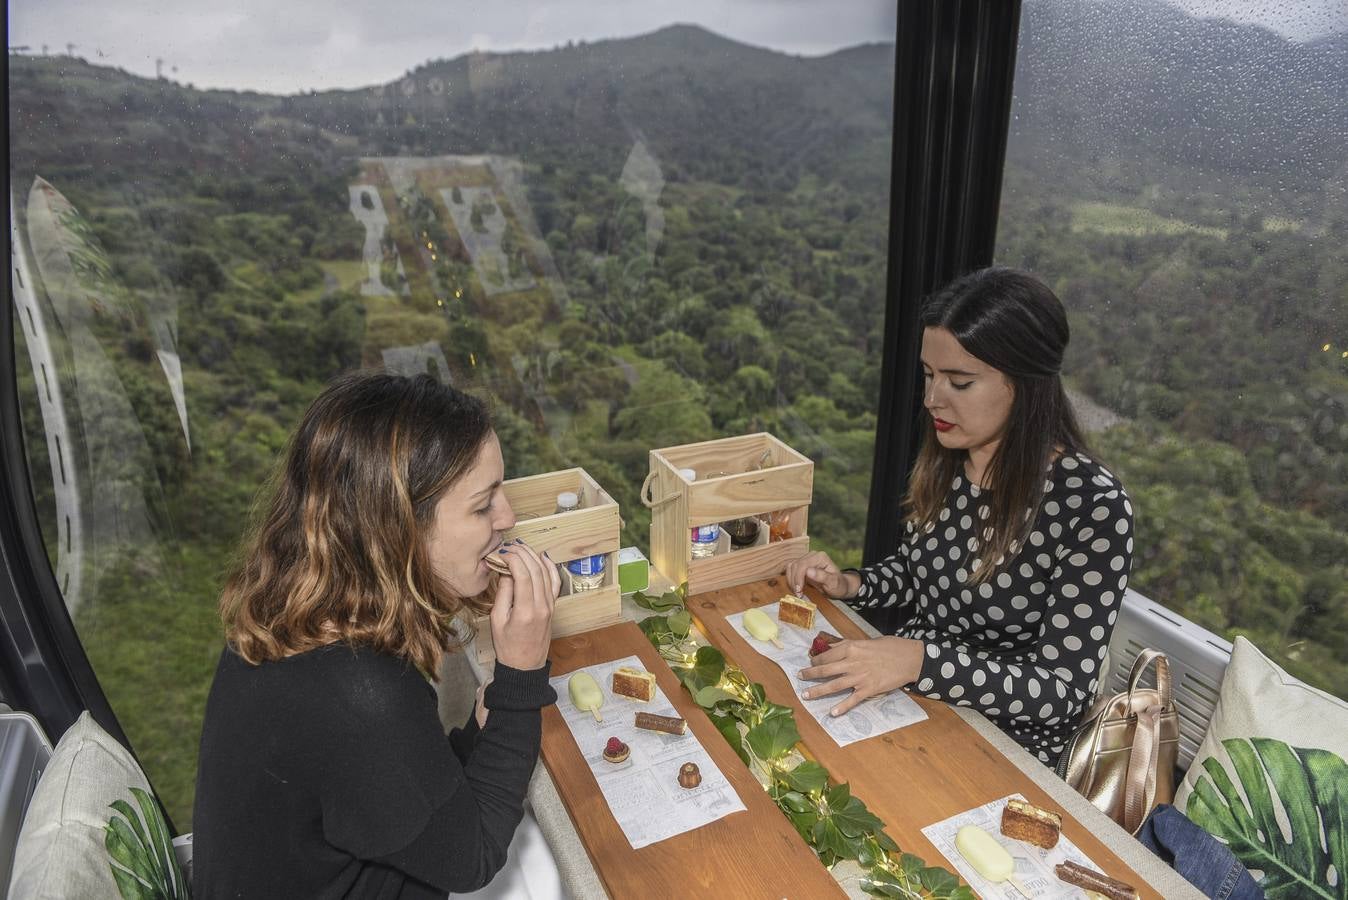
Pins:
x: 1122, y: 757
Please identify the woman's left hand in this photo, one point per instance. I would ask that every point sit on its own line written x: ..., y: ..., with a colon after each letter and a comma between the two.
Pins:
x: 870, y: 667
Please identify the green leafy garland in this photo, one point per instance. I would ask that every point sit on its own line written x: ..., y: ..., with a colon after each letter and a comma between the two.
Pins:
x: 836, y: 825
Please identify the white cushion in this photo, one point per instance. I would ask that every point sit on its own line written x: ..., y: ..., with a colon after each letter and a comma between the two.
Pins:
x: 61, y: 851
x: 1291, y: 742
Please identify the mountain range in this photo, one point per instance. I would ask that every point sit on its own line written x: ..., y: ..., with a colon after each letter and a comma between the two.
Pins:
x: 1138, y: 81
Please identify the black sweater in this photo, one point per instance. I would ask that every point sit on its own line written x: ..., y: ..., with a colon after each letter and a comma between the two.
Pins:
x: 1024, y: 648
x: 326, y: 774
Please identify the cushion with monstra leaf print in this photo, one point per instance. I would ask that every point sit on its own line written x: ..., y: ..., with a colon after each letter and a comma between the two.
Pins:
x: 1270, y: 779
x: 93, y: 828
x: 140, y: 851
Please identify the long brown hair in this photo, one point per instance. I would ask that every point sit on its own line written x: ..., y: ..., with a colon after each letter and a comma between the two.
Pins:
x: 1014, y: 323
x: 339, y: 552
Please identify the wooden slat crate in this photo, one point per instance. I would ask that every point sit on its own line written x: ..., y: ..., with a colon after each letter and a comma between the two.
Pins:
x: 760, y: 475
x: 593, y: 529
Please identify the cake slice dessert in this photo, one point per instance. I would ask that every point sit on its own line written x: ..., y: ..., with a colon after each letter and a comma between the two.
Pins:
x: 796, y: 611
x: 1027, y: 822
x: 634, y: 683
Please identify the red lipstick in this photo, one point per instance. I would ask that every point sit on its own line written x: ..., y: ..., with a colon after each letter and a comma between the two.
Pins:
x: 942, y: 424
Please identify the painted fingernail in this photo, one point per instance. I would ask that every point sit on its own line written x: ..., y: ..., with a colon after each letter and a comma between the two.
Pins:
x: 502, y: 550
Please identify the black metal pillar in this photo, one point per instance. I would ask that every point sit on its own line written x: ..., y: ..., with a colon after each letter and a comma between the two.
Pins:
x: 954, y: 64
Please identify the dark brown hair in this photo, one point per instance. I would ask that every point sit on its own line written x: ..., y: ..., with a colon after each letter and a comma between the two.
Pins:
x: 339, y: 552
x: 1014, y: 323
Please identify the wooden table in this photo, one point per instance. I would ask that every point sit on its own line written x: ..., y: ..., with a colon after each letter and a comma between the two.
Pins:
x: 910, y: 778
x: 745, y: 854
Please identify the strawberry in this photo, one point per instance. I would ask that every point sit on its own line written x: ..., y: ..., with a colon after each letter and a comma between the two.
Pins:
x: 822, y: 641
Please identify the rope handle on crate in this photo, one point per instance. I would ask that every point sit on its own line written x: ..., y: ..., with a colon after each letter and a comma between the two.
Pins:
x: 646, y: 499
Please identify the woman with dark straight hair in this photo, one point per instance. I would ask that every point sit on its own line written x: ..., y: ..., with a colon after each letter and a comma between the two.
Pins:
x: 324, y: 771
x: 1017, y: 543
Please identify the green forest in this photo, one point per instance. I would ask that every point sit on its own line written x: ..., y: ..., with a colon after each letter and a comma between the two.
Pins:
x: 695, y: 249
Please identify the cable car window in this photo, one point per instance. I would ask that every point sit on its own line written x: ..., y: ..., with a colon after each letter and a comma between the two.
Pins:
x: 631, y: 233
x: 1177, y: 171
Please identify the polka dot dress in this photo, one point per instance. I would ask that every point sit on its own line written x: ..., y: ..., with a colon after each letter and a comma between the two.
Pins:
x: 1024, y: 647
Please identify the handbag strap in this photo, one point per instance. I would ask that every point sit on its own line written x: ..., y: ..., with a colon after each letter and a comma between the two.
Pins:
x: 1139, y: 792
x: 1145, y: 659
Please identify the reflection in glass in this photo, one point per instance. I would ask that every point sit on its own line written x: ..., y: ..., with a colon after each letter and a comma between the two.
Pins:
x: 106, y: 473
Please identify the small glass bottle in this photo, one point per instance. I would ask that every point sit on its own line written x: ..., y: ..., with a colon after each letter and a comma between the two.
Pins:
x: 587, y: 573
x: 704, y: 537
x: 743, y: 532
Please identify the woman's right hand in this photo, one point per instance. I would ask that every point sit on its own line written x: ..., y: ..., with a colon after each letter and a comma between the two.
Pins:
x: 521, y: 617
x: 816, y: 568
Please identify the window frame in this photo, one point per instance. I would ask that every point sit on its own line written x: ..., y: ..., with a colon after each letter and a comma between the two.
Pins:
x: 43, y: 667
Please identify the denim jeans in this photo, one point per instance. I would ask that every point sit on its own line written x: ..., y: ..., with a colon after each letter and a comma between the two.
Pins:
x: 1200, y: 858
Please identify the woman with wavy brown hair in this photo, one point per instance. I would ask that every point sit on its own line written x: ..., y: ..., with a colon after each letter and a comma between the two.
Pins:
x: 1013, y: 564
x: 324, y: 771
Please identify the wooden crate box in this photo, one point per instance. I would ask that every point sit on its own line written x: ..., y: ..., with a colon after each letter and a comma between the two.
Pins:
x: 592, y: 530
x: 750, y: 475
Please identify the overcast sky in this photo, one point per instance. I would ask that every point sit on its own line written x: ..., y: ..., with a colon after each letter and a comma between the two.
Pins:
x: 283, y: 46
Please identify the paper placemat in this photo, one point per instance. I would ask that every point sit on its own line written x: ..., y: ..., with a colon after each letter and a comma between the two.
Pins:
x: 1034, y: 865
x: 867, y: 719
x: 643, y: 791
